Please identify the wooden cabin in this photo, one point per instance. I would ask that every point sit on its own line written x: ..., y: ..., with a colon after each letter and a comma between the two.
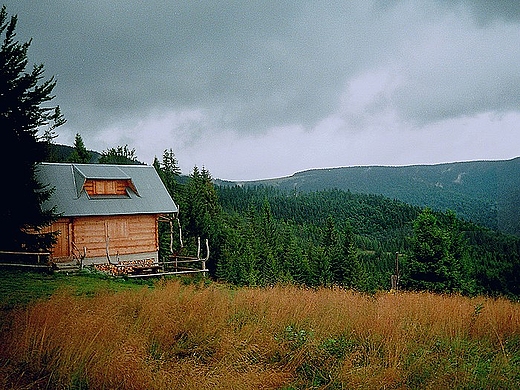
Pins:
x: 108, y: 213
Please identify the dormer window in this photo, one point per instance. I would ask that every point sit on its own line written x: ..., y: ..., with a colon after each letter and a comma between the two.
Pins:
x: 103, y: 182
x: 108, y: 188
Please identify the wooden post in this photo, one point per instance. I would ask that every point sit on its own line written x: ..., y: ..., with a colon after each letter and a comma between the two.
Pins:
x: 82, y: 257
x: 393, y: 281
x: 70, y: 238
x: 206, y: 258
x: 180, y: 229
x: 107, y: 242
x: 171, y: 236
x: 395, y: 278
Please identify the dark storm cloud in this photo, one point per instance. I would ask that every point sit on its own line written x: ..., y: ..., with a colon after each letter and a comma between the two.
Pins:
x: 486, y: 11
x: 164, y: 73
x: 459, y: 59
x: 454, y: 71
x: 265, y: 63
x: 258, y: 64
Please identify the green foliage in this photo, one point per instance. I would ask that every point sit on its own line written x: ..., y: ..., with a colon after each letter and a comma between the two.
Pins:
x: 62, y: 153
x: 169, y: 172
x: 263, y: 236
x: 200, y: 213
x: 23, y: 113
x: 21, y: 288
x: 342, y: 238
x: 430, y: 264
x: 49, y: 134
x: 438, y: 255
x: 293, y: 337
x: 347, y: 269
x: 309, y: 238
x: 200, y: 217
x: 80, y: 153
x: 119, y: 155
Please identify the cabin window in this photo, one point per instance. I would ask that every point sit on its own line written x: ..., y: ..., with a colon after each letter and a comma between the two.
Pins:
x: 118, y: 229
x: 104, y: 188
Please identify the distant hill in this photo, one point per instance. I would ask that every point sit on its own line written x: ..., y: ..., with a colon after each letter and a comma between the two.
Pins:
x: 485, y: 192
x: 61, y: 153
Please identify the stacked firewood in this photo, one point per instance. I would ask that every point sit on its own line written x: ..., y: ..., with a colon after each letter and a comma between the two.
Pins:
x: 109, y: 268
x: 125, y: 267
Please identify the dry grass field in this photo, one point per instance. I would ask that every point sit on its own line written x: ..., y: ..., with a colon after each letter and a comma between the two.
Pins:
x: 177, y: 336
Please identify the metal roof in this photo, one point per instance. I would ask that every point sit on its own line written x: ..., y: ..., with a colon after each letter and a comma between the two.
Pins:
x: 148, y: 195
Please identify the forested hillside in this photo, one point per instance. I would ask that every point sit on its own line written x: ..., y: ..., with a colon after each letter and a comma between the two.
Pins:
x: 485, y: 192
x: 340, y: 237
x: 62, y: 153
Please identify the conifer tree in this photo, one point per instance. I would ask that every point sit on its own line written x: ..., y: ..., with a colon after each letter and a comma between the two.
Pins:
x: 434, y: 264
x: 169, y: 172
x: 49, y: 135
x: 319, y: 263
x: 269, y: 265
x: 202, y: 214
x: 291, y: 257
x: 80, y: 153
x: 23, y: 95
x: 347, y: 268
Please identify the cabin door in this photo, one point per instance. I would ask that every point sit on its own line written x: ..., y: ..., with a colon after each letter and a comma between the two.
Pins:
x: 62, y: 247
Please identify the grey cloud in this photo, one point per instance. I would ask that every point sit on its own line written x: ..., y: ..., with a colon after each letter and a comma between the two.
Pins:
x: 483, y: 11
x: 278, y: 62
x: 486, y: 11
x: 260, y: 64
x: 454, y: 70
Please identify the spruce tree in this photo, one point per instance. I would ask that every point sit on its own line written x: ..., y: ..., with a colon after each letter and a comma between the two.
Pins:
x: 80, y: 154
x: 202, y: 213
x: 347, y: 268
x: 269, y: 264
x: 169, y: 172
x: 23, y: 95
x: 49, y: 134
x: 435, y: 262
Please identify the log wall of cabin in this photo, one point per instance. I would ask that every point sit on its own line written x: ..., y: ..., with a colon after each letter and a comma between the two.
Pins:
x: 126, y: 234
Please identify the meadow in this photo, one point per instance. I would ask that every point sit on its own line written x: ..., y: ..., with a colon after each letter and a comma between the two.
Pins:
x: 85, y: 332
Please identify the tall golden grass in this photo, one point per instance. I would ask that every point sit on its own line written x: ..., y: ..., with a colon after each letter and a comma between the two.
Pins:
x: 215, y: 337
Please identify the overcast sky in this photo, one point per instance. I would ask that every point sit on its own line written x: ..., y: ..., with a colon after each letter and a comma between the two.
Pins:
x: 258, y: 89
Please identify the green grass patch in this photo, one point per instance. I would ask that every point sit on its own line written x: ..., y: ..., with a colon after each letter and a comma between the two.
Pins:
x: 19, y: 288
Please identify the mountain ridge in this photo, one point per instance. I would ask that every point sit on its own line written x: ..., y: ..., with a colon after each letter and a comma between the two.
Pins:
x: 485, y: 191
